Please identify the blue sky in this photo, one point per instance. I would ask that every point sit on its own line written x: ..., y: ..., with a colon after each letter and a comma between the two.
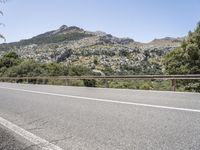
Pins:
x: 142, y: 20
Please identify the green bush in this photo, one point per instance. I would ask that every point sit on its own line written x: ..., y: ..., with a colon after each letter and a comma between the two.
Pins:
x: 89, y: 83
x: 145, y: 86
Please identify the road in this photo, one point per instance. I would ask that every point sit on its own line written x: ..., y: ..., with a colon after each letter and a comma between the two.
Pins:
x: 80, y: 118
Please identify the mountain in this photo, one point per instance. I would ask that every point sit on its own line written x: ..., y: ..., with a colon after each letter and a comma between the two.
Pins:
x: 96, y: 50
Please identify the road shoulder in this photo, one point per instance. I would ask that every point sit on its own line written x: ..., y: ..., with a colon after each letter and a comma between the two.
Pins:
x: 11, y: 141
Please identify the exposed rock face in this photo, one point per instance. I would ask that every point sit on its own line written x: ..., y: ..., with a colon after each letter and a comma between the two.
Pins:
x: 65, y: 55
x: 97, y: 50
x: 65, y: 29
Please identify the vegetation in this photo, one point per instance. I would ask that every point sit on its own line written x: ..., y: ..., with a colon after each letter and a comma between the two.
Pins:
x: 11, y: 65
x: 42, y: 39
x: 141, y: 84
x: 186, y: 60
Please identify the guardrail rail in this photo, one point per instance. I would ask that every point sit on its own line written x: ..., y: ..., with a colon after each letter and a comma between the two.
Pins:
x: 173, y: 78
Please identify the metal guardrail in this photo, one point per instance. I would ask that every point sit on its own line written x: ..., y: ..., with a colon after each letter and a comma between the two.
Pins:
x: 173, y: 78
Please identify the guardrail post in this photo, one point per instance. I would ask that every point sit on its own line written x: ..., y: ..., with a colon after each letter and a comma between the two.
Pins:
x: 43, y: 81
x: 106, y: 83
x: 173, y: 84
x: 66, y: 82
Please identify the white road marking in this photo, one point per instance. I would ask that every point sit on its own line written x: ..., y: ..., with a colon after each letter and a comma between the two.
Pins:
x: 105, y: 100
x: 41, y: 143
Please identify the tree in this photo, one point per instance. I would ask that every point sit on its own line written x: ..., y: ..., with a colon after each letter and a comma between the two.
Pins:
x: 10, y: 59
x: 55, y: 69
x: 1, y: 36
x: 186, y: 59
x: 79, y: 70
x: 27, y: 68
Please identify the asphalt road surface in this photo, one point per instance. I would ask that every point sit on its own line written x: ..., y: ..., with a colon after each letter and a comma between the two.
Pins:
x: 79, y: 118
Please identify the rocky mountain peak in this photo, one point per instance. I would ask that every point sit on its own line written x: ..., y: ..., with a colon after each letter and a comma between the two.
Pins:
x: 65, y: 29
